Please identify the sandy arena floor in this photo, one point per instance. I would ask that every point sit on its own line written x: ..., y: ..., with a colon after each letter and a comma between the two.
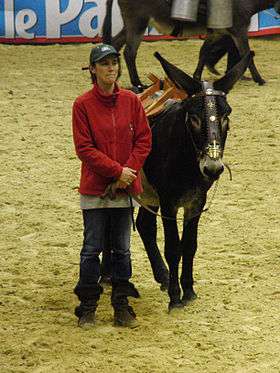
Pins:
x: 232, y: 327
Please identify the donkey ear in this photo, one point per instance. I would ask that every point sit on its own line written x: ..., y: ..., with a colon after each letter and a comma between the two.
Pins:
x: 227, y: 82
x: 179, y: 77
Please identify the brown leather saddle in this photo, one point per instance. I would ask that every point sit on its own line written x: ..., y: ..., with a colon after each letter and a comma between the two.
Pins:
x: 155, y: 98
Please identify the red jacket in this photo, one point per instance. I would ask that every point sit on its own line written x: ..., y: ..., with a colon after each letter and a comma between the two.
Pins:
x: 109, y: 132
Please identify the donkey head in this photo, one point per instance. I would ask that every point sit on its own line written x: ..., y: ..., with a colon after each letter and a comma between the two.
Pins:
x: 207, y: 113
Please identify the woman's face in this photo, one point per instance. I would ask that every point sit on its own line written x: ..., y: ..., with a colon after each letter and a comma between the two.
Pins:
x: 106, y: 70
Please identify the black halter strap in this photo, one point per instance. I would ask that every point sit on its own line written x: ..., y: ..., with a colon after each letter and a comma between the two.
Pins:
x: 209, y: 94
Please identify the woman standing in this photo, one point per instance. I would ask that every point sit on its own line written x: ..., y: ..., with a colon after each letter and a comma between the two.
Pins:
x: 112, y: 139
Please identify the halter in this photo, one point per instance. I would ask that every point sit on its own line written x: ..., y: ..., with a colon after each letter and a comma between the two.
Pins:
x: 213, y: 149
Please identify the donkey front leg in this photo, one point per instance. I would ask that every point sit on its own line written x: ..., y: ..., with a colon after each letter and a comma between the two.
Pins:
x: 172, y: 251
x: 189, y: 246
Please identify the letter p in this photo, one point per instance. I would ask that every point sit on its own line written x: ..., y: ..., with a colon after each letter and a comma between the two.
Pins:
x: 55, y: 18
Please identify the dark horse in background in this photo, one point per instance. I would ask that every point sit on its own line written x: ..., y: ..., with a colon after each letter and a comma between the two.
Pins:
x: 188, y: 141
x: 136, y: 18
x: 211, y: 52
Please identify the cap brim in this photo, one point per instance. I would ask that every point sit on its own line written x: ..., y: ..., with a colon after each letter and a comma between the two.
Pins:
x: 101, y: 57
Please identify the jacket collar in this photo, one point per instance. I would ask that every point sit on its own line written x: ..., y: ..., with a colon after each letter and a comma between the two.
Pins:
x: 105, y: 99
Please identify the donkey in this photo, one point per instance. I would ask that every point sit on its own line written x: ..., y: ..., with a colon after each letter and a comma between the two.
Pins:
x: 185, y: 160
x: 136, y: 19
x: 188, y: 141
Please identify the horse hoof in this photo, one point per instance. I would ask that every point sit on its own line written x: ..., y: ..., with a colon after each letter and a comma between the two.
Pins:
x: 138, y: 89
x: 262, y: 82
x: 189, y: 297
x: 175, y: 306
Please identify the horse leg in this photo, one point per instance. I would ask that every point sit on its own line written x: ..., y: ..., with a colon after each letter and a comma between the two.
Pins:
x: 146, y: 224
x: 210, y: 53
x: 118, y: 40
x: 242, y: 44
x: 233, y: 54
x: 201, y: 60
x: 134, y: 33
x: 189, y: 246
x: 172, y: 251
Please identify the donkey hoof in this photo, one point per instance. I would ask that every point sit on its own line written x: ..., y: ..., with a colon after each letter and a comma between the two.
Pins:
x: 164, y: 285
x: 105, y: 280
x: 175, y: 306
x: 188, y: 297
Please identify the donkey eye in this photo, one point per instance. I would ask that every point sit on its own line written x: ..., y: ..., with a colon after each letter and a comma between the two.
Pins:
x: 195, y: 122
x: 225, y: 123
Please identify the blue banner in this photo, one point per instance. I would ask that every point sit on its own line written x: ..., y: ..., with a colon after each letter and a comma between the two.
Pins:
x: 269, y: 19
x: 46, y: 21
x: 51, y: 19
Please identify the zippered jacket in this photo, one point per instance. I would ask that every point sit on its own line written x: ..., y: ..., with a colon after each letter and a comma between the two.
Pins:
x: 109, y: 132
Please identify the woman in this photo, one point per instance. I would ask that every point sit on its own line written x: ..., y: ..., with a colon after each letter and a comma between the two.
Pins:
x: 112, y: 139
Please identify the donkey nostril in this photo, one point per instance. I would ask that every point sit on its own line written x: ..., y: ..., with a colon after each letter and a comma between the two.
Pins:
x: 206, y: 171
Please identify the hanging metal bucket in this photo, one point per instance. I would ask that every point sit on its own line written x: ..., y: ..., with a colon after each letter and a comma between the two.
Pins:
x: 219, y: 13
x: 185, y: 10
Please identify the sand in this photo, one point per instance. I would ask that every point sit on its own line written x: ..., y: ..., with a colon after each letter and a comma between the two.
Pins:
x: 232, y: 327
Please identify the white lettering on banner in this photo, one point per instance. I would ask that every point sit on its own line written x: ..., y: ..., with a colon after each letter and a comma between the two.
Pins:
x: 86, y: 19
x: 86, y: 14
x: 54, y: 19
x: 25, y: 19
x: 9, y: 18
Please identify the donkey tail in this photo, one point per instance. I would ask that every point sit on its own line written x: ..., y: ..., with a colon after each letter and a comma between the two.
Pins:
x: 107, y: 24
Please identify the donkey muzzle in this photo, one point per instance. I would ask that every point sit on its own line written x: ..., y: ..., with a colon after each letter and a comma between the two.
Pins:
x: 211, y: 168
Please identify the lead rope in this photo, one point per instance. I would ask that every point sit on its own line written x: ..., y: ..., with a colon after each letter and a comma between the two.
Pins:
x: 139, y: 201
x: 132, y: 212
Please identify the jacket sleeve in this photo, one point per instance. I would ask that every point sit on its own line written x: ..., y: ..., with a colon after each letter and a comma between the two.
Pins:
x: 85, y: 148
x: 142, y: 139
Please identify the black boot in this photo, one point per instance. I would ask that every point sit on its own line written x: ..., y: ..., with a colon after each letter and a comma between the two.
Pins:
x: 123, y: 312
x: 88, y: 296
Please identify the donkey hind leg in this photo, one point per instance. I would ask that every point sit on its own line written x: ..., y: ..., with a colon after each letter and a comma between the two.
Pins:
x: 146, y: 224
x: 134, y: 33
x: 189, y: 246
x: 242, y: 44
x: 172, y: 251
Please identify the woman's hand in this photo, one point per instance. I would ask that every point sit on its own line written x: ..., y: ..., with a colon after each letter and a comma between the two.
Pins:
x: 128, y: 175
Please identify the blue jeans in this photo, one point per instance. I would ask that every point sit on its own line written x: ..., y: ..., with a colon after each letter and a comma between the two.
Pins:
x: 95, y: 223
